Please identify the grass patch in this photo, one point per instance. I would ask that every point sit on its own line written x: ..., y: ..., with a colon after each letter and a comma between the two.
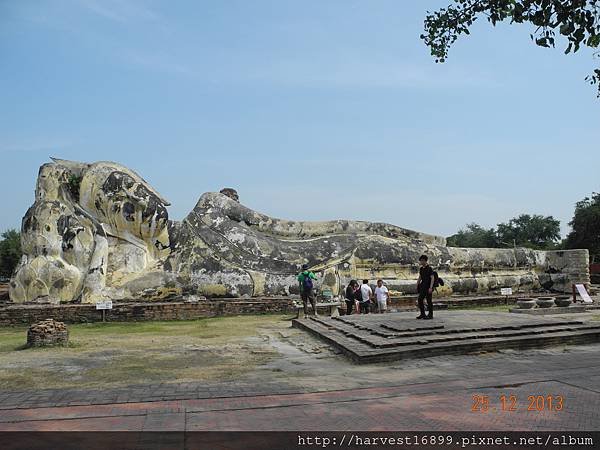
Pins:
x: 12, y: 339
x: 117, y: 354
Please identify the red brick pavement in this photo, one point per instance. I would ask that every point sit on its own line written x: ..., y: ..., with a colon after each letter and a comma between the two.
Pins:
x: 427, y: 406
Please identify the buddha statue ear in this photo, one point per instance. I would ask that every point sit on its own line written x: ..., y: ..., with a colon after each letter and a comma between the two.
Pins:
x: 76, y: 168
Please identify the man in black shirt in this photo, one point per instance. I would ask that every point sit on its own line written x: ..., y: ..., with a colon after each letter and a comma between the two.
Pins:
x: 425, y: 288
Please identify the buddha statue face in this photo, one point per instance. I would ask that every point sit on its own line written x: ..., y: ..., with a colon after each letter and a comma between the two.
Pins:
x: 126, y: 205
x: 130, y: 206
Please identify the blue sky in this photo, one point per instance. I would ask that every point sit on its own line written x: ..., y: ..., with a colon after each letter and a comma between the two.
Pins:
x: 311, y: 109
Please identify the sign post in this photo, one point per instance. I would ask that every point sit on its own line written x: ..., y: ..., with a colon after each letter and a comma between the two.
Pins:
x: 506, y: 292
x: 103, y: 306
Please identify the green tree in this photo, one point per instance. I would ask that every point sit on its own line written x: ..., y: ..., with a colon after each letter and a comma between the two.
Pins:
x: 473, y: 236
x: 533, y: 231
x: 537, y: 231
x: 585, y: 226
x: 575, y: 21
x: 10, y: 252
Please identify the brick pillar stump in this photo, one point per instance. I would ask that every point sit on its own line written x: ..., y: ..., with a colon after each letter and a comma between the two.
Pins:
x: 47, y: 332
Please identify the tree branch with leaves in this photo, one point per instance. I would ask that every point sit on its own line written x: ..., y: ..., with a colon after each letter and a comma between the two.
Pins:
x: 10, y: 252
x: 575, y: 21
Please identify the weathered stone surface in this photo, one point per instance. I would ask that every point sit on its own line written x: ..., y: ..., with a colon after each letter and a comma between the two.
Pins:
x: 231, y: 193
x: 84, y: 215
x: 47, y: 332
x: 101, y: 231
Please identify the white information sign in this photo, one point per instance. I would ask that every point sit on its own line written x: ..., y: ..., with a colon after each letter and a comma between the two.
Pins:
x: 506, y: 291
x: 583, y: 293
x: 107, y: 304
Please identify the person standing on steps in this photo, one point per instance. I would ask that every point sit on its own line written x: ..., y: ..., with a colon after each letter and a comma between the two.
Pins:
x: 305, y: 278
x: 425, y: 288
x: 366, y: 294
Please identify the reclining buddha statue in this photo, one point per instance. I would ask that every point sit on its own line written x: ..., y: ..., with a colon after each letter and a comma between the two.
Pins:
x: 99, y: 231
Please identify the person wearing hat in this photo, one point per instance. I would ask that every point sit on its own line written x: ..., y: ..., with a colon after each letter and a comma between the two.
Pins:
x: 305, y: 278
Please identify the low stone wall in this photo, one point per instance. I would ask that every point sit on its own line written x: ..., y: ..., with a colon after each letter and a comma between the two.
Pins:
x: 133, y: 312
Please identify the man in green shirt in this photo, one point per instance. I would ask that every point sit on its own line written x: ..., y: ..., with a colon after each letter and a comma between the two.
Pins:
x: 305, y: 278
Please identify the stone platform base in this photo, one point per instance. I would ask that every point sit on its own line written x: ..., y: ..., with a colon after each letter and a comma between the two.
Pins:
x: 396, y: 336
x: 573, y: 309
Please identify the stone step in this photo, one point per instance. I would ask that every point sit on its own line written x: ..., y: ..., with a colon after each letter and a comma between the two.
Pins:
x: 440, y: 329
x: 331, y: 335
x: 481, y: 345
x: 375, y: 338
x: 378, y: 342
x: 528, y: 328
x: 365, y: 326
x: 363, y: 347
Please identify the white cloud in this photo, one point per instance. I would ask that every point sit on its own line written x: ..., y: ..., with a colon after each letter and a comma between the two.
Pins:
x: 313, y: 71
x: 119, y: 10
x: 311, y: 65
x: 364, y: 71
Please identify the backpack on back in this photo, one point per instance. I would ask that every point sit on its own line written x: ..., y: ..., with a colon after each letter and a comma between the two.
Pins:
x: 437, y: 281
x: 307, y: 283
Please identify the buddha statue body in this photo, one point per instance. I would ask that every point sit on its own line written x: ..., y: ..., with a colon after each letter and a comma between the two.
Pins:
x: 100, y: 231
